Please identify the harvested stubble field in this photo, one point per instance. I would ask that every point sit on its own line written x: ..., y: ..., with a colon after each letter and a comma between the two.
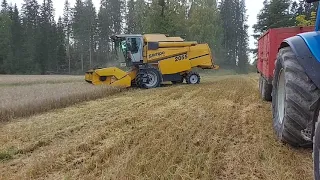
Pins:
x: 219, y: 129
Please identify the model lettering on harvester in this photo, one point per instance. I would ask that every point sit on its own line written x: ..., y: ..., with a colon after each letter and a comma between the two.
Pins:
x: 181, y: 57
x: 156, y: 54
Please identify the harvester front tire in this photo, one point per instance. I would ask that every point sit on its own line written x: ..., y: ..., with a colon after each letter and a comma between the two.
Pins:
x: 294, y: 100
x: 193, y: 78
x: 265, y: 89
x: 148, y: 78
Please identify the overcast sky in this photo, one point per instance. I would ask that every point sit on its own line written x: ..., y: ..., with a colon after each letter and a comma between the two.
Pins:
x: 253, y: 7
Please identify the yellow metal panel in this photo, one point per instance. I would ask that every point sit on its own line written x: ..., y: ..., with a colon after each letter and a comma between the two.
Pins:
x: 160, y: 37
x: 200, y: 56
x: 112, y: 81
x: 204, y: 62
x: 113, y: 76
x: 113, y: 71
x: 177, y: 44
x: 96, y: 80
x: 88, y: 76
x: 171, y: 66
x: 161, y: 53
x: 133, y: 73
x: 145, y: 50
x: 198, y: 50
x: 174, y: 39
x: 124, y: 82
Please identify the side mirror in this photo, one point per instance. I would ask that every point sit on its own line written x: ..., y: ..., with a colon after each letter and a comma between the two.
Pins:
x: 311, y: 1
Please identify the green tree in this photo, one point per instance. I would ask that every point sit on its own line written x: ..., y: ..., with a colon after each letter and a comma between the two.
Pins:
x: 4, y: 6
x: 109, y: 23
x: 104, y: 32
x: 306, y: 13
x: 274, y: 14
x: 30, y: 19
x: 116, y: 10
x: 235, y: 35
x: 302, y: 20
x: 61, y: 49
x: 5, y: 44
x: 243, y: 39
x: 140, y: 16
x: 168, y: 18
x: 136, y: 17
x: 79, y: 31
x: 84, y: 29
x: 228, y: 9
x: 90, y: 12
x: 209, y: 29
x: 16, y: 40
x: 67, y: 28
x: 130, y: 17
x: 45, y: 44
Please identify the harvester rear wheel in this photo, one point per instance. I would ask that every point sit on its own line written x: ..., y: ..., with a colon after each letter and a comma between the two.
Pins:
x: 193, y: 78
x: 294, y: 101
x: 148, y: 78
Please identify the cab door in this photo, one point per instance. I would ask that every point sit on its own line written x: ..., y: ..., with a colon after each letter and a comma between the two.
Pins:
x: 135, y: 49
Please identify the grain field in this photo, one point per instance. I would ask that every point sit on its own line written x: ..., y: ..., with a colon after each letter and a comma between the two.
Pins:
x: 219, y: 129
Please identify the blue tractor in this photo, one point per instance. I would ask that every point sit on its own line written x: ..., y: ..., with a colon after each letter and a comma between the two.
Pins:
x: 296, y: 92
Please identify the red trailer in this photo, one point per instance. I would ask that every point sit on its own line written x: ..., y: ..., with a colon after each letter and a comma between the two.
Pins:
x: 268, y: 45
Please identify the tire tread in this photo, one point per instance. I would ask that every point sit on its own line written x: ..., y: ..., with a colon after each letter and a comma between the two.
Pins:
x: 301, y: 97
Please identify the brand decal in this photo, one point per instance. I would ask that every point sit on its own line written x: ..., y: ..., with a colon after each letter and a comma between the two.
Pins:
x: 156, y: 54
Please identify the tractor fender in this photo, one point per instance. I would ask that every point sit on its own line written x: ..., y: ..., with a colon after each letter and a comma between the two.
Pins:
x: 300, y: 45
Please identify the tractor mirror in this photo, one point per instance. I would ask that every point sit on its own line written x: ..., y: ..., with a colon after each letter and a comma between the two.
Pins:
x: 311, y: 1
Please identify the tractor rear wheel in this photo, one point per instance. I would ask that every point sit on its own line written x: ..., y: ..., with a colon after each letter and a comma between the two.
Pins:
x: 193, y: 78
x: 294, y: 101
x: 316, y: 151
x: 148, y: 78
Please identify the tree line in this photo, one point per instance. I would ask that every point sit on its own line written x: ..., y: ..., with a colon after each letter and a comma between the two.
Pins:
x: 33, y: 42
x: 284, y: 13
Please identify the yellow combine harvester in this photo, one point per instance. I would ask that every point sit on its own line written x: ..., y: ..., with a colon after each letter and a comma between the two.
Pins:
x: 154, y: 58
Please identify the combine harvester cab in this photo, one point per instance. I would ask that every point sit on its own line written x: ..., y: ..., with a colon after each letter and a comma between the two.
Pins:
x: 293, y: 84
x: 154, y: 59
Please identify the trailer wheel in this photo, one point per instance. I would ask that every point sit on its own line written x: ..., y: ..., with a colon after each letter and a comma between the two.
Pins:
x: 260, y: 85
x: 294, y: 101
x: 316, y: 152
x: 265, y: 89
